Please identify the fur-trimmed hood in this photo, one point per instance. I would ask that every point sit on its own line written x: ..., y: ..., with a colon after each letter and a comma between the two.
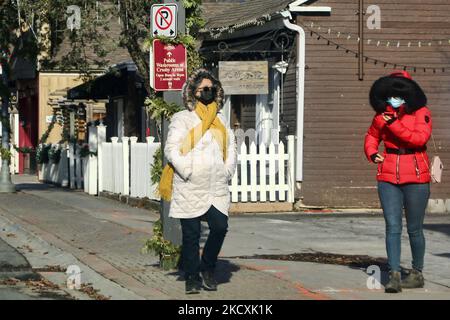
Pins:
x: 397, y: 84
x: 193, y: 82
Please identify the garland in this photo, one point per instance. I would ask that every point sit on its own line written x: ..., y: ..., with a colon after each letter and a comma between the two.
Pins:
x: 4, y: 152
x: 166, y: 250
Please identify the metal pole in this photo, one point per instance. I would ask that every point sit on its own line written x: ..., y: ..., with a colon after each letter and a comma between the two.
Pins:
x: 171, y: 227
x: 6, y: 185
x: 361, y: 40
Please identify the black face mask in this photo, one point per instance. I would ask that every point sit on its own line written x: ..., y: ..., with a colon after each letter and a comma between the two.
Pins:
x: 207, y: 96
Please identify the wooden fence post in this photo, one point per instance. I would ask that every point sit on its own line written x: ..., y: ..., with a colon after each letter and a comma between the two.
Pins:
x: 126, y: 165
x: 101, y: 138
x: 78, y: 165
x: 291, y: 168
x: 71, y: 165
x: 115, y: 166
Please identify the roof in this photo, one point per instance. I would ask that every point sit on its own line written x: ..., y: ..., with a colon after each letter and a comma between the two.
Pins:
x: 219, y: 14
x: 111, y: 84
x: 115, y: 55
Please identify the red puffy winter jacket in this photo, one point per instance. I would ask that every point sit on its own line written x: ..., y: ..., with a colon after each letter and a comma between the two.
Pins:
x: 409, y: 132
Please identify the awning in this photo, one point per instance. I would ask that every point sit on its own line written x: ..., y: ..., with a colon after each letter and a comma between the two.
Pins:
x: 111, y: 84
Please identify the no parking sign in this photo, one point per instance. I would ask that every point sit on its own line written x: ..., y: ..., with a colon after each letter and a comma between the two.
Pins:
x: 164, y: 20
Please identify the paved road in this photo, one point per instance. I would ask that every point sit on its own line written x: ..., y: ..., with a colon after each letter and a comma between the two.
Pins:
x: 58, y: 227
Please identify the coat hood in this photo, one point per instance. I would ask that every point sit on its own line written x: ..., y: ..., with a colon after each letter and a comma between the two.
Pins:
x: 397, y: 84
x: 192, y: 83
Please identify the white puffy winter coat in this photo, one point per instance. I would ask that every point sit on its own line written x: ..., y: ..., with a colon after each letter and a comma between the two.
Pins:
x: 201, y: 176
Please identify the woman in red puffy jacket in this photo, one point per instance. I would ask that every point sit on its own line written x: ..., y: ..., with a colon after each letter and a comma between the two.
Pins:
x: 403, y: 123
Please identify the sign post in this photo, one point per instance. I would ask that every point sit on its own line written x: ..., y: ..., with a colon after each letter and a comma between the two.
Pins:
x: 171, y: 227
x: 6, y: 185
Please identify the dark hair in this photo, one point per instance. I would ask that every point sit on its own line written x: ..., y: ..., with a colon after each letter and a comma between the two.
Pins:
x: 193, y: 83
x: 200, y: 77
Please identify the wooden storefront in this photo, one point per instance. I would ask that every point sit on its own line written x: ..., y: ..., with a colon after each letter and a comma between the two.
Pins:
x: 414, y: 33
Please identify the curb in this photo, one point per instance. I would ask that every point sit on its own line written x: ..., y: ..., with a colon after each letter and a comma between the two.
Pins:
x: 142, y: 203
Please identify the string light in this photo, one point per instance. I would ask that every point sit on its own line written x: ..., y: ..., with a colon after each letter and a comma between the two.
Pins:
x: 369, y: 41
x: 375, y: 61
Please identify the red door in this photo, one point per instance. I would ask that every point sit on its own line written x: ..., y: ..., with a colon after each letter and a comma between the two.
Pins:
x: 28, y: 131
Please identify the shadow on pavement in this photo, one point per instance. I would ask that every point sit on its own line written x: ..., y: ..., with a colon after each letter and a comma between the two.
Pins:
x: 33, y: 186
x: 443, y: 255
x: 223, y: 274
x: 41, y: 187
x: 439, y: 227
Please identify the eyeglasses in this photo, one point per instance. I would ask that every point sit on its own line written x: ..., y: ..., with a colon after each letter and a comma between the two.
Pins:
x: 206, y: 89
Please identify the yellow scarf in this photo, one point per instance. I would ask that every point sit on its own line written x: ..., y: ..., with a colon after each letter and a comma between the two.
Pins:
x: 208, y: 115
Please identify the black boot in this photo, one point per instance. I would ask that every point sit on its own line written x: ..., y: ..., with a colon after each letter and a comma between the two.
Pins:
x: 394, y: 285
x: 209, y: 283
x: 413, y: 280
x: 193, y: 284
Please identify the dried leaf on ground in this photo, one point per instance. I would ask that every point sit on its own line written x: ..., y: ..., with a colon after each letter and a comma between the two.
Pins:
x: 9, y: 282
x: 47, y: 268
x: 93, y: 293
x: 42, y: 284
x: 357, y: 261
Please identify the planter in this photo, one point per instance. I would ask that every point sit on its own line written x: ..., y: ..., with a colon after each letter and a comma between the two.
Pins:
x: 168, y: 262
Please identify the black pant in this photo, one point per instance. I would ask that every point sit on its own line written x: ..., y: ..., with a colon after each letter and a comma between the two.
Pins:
x: 218, y: 227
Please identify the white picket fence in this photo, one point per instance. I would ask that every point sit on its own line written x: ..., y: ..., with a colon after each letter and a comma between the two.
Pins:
x: 264, y: 173
x: 67, y: 172
x: 125, y: 168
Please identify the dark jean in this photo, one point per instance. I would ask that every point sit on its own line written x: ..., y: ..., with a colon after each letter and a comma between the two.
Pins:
x: 414, y: 198
x: 191, y: 228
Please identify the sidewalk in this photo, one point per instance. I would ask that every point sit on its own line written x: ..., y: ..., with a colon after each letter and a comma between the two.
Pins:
x: 104, y: 237
x: 27, y: 284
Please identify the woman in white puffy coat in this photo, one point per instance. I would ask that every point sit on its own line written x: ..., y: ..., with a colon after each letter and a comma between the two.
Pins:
x: 200, y: 183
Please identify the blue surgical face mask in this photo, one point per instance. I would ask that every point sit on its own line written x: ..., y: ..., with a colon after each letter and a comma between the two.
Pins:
x: 396, y: 102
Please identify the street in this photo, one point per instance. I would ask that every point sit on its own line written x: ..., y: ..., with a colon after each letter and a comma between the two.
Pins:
x: 290, y: 256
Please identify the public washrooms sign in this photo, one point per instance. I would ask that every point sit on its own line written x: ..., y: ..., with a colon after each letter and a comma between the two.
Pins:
x: 168, y: 66
x: 164, y: 20
x: 244, y: 77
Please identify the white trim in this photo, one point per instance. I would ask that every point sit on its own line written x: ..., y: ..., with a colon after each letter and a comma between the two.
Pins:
x: 227, y: 109
x: 297, y: 3
x: 309, y: 9
x: 66, y: 74
x: 301, y: 51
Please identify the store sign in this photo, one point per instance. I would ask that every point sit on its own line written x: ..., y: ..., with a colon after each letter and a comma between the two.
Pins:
x: 168, y: 66
x: 244, y: 77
